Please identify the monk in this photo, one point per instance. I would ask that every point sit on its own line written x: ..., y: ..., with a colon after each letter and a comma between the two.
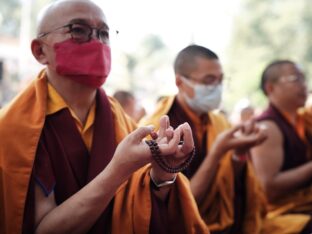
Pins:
x: 221, y: 182
x: 283, y: 162
x: 71, y: 161
x: 130, y: 104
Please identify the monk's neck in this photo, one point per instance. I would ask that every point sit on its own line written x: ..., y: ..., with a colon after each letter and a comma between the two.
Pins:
x: 181, y: 100
x: 77, y: 96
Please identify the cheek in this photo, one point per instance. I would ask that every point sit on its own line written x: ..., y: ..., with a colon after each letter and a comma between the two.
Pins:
x: 189, y: 91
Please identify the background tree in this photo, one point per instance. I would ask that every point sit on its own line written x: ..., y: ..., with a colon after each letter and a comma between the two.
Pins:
x: 265, y: 30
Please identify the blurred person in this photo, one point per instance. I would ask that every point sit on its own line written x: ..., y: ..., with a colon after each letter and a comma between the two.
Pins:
x: 130, y: 104
x: 68, y: 162
x: 244, y: 110
x: 221, y: 180
x: 283, y: 162
x: 247, y: 114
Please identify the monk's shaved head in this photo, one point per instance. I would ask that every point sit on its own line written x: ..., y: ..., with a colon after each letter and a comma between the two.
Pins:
x: 273, y: 71
x: 54, y: 14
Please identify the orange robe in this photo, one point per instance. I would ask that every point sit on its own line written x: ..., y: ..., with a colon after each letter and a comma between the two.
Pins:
x: 21, y: 124
x: 217, y: 209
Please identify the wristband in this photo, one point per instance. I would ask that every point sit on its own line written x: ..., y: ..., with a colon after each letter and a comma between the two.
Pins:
x: 164, y: 183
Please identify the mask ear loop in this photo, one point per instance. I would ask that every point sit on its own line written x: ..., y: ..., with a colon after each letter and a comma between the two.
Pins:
x: 187, y: 82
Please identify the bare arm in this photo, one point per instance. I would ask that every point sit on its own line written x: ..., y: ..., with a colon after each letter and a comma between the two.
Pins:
x: 202, y: 179
x: 79, y: 213
x: 268, y: 159
x: 249, y: 136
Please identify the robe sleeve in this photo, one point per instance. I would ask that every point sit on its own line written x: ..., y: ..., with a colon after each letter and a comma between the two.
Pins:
x: 43, y: 171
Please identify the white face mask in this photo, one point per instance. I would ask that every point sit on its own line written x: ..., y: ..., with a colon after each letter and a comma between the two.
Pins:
x: 206, y: 98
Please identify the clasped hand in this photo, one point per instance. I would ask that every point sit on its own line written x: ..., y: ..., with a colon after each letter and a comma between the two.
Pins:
x: 133, y: 153
x: 240, y: 138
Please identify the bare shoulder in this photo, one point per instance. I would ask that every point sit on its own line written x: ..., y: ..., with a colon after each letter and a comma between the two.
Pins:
x: 273, y: 132
x: 268, y: 156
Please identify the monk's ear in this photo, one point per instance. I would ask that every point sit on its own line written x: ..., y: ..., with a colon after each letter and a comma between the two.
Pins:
x: 38, y: 52
x: 178, y: 80
x: 268, y: 87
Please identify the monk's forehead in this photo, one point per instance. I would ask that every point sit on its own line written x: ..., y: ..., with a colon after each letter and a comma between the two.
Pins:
x: 63, y: 12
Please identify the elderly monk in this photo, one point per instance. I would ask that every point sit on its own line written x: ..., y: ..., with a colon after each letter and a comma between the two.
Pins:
x: 221, y: 182
x: 283, y: 162
x: 67, y: 161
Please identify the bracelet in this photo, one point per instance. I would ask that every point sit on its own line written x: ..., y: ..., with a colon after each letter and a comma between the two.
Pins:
x: 164, y: 183
x: 156, y: 154
x: 240, y: 158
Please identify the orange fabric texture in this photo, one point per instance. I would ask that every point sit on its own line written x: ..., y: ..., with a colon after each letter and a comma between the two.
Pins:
x: 133, y: 199
x: 21, y: 123
x: 217, y: 209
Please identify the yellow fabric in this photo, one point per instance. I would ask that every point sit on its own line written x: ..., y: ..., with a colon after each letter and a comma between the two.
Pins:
x: 56, y: 103
x: 21, y: 124
x: 133, y: 199
x: 281, y: 220
x: 217, y: 208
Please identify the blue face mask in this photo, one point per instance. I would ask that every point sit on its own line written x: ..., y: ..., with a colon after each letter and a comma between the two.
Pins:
x: 206, y: 98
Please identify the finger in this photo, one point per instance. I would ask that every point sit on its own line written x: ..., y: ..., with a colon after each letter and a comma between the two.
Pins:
x: 188, y: 142
x: 169, y: 133
x: 163, y: 125
x: 247, y: 141
x: 234, y: 131
x: 172, y: 145
x: 141, y: 132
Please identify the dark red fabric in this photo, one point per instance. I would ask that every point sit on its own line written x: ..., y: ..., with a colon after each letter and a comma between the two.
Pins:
x: 63, y: 163
x: 160, y: 218
x: 178, y: 116
x: 295, y: 149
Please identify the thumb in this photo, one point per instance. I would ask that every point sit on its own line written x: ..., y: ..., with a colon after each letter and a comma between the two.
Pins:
x: 234, y: 129
x: 142, y: 132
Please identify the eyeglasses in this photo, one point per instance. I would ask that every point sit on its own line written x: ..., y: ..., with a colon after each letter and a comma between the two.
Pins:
x: 82, y: 32
x: 292, y: 79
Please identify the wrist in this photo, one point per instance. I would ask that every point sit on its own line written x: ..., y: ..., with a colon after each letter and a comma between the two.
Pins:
x: 159, y: 175
x: 240, y: 156
x: 162, y: 183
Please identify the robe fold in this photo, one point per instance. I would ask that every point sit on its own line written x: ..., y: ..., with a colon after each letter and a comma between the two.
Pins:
x: 21, y: 125
x: 219, y: 207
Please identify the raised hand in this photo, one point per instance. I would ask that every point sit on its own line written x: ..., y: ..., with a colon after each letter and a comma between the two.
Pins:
x: 169, y: 140
x: 239, y: 138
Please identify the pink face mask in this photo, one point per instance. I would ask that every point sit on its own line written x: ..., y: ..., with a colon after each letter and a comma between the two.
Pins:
x: 86, y: 63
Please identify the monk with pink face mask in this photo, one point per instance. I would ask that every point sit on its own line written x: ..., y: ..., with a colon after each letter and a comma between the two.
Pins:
x: 71, y: 161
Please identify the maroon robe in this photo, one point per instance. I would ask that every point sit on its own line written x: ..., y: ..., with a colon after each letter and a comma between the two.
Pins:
x: 178, y: 116
x: 64, y: 165
x: 295, y: 149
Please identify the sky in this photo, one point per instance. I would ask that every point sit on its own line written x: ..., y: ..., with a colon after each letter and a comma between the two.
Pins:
x: 177, y: 22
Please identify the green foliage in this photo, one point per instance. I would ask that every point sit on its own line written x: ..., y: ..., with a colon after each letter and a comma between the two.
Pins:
x: 9, y: 17
x: 265, y: 30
